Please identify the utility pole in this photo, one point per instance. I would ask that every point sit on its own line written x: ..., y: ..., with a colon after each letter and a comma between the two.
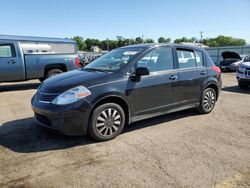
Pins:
x: 201, y: 36
x: 107, y: 44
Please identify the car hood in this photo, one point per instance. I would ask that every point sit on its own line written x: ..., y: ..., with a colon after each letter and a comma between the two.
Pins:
x: 246, y: 64
x: 68, y: 80
x: 230, y: 55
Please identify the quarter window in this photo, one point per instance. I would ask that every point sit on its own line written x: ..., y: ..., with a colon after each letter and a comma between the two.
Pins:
x: 159, y: 59
x: 199, y: 58
x: 6, y: 50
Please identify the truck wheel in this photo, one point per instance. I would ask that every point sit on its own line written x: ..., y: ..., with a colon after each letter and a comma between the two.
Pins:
x: 53, y: 72
x: 106, y: 122
x: 41, y: 79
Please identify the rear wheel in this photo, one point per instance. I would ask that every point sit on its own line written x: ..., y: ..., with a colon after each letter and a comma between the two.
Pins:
x: 51, y: 73
x: 207, y: 101
x: 107, y: 122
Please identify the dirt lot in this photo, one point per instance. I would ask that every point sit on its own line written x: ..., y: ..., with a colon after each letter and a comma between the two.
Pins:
x: 183, y: 149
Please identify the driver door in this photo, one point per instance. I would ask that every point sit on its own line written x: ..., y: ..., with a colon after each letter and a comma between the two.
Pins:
x: 159, y: 90
x: 11, y: 66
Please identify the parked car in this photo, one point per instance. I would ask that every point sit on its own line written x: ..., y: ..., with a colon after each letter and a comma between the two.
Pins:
x: 24, y: 58
x: 229, y: 61
x: 114, y: 91
x: 243, y: 73
x: 244, y: 58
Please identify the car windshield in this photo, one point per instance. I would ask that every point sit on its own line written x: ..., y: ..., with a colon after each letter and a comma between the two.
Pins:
x: 114, y: 60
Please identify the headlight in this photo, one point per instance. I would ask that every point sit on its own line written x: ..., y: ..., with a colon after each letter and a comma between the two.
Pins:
x: 241, y: 69
x: 72, y: 95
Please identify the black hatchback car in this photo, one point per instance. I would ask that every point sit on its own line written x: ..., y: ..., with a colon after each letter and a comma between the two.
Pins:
x: 126, y: 85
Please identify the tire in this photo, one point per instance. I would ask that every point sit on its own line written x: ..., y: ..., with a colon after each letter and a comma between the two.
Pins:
x: 41, y: 79
x: 207, y: 101
x: 107, y: 122
x: 242, y: 86
x: 53, y: 72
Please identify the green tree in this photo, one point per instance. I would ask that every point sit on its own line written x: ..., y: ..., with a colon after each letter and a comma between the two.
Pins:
x: 80, y: 43
x: 184, y: 39
x: 92, y: 42
x: 128, y: 42
x: 164, y: 40
x: 224, y: 41
x: 138, y: 40
x: 149, y: 41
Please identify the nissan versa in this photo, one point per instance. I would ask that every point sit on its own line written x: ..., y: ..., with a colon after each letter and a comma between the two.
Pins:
x: 126, y: 85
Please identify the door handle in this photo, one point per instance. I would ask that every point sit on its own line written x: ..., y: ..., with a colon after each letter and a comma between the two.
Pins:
x: 12, y: 62
x: 203, y: 72
x: 173, y: 77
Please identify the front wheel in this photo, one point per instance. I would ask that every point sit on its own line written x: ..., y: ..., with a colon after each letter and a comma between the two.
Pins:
x: 207, y: 101
x: 107, y: 122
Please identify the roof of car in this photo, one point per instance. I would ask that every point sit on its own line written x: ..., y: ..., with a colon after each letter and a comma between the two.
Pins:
x: 36, y: 39
x: 151, y: 45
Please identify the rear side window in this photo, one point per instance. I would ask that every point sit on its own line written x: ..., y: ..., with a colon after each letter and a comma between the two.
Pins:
x: 159, y: 59
x: 189, y: 58
x: 186, y: 58
x: 7, y: 50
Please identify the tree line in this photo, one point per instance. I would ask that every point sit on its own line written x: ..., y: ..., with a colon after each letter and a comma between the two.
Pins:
x: 86, y: 44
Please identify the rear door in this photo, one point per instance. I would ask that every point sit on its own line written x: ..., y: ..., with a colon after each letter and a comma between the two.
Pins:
x: 11, y: 66
x: 192, y: 74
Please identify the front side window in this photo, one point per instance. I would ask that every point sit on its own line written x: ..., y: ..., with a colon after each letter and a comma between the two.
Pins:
x: 6, y: 50
x: 159, y: 59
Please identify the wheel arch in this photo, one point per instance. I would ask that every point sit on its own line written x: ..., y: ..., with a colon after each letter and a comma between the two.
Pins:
x: 213, y: 86
x: 113, y: 99
x: 49, y: 67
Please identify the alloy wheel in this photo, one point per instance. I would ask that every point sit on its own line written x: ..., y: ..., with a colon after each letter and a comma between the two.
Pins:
x: 209, y: 100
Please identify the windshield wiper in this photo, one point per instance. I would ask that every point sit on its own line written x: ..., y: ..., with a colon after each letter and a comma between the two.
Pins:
x: 98, y: 70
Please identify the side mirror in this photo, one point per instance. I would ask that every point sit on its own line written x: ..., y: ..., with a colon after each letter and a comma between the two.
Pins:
x: 141, y: 71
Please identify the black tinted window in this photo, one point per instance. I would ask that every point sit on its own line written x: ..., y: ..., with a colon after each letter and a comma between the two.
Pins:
x: 159, y: 59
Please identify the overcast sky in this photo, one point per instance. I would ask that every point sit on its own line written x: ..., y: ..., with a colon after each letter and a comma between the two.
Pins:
x: 104, y: 19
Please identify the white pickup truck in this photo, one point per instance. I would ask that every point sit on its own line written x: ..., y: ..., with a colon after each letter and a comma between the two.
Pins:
x: 24, y: 58
x: 243, y: 73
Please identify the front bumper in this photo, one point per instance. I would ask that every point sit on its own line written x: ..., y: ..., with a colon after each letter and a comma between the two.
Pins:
x: 69, y: 119
x: 242, y: 78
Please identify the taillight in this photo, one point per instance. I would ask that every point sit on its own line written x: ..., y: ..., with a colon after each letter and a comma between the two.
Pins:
x: 216, y: 69
x: 78, y: 62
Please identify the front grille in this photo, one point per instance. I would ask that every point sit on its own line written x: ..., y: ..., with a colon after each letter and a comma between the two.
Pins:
x: 247, y: 73
x: 45, y: 97
x: 42, y: 119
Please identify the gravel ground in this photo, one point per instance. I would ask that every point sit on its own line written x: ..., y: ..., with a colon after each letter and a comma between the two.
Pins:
x: 182, y: 149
